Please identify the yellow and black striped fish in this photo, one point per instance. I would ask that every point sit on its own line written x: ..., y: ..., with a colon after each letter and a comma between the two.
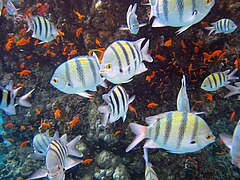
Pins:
x: 42, y: 28
x: 124, y: 59
x: 217, y: 80
x: 176, y: 131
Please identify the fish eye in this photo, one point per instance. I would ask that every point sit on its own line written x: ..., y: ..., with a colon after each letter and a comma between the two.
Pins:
x: 55, y: 80
x: 109, y: 66
x: 59, y: 168
x: 208, y: 1
x: 208, y: 137
x: 193, y: 142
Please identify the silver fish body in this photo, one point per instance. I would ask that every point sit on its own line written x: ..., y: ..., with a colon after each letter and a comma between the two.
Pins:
x: 11, y: 9
x: 224, y: 26
x: 179, y: 13
x: 182, y: 98
x: 117, y: 101
x: 217, y: 80
x: 176, y: 131
x: 77, y: 75
x: 42, y: 28
x: 124, y: 59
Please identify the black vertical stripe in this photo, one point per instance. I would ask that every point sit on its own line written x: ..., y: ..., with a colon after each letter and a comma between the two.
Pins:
x: 165, y: 9
x: 125, y: 54
x: 45, y: 24
x: 40, y: 146
x: 133, y: 54
x: 79, y: 69
x: 225, y: 25
x: 221, y: 26
x: 180, y: 7
x: 8, y: 97
x: 182, y: 128
x: 220, y: 79
x: 215, y: 81
x: 118, y: 57
x: 139, y: 56
x: 224, y: 77
x: 115, y: 96
x: 112, y: 105
x: 123, y: 95
x: 39, y: 25
x: 157, y: 129
x: 228, y: 25
x: 168, y: 127
x: 58, y: 152
x: 68, y: 73
x: 93, y: 69
x: 193, y: 6
x: 210, y: 82
x: 195, y: 129
x: 1, y: 96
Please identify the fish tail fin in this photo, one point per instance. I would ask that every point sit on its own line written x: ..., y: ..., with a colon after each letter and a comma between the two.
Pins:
x: 211, y: 29
x: 72, y: 147
x: 22, y: 100
x: 231, y: 75
x: 146, y: 57
x: 140, y: 132
x: 233, y: 90
x: 105, y: 111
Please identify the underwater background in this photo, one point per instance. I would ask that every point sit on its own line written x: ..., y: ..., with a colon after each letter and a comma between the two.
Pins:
x: 100, y: 22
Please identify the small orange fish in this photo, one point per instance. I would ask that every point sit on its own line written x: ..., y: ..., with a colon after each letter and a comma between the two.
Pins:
x: 38, y: 5
x: 9, y: 125
x: 10, y: 140
x: 79, y: 32
x: 38, y: 112
x: 216, y: 53
x: 151, y: 105
x: 80, y: 17
x: 168, y: 43
x: 22, y: 65
x: 196, y: 50
x: 198, y: 43
x: 87, y: 161
x: 98, y: 43
x: 36, y: 42
x: 73, y: 52
x: 8, y: 46
x: 22, y: 127
x: 20, y: 84
x: 159, y: 57
x: 221, y: 56
x: 203, y: 23
x: 131, y: 108
x: 222, y: 153
x: 23, y: 144
x: 57, y: 113
x: 31, y: 128
x: 236, y: 63
x: 209, y: 96
x: 23, y: 31
x: 116, y: 133
x: 24, y: 72
x: 148, y: 78
x: 22, y: 42
x: 46, y: 125
x: 74, y: 121
x: 183, y: 44
x: 20, y: 178
x: 232, y: 116
x: 60, y: 33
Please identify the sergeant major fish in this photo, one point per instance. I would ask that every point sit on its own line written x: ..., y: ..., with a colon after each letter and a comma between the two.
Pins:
x: 233, y: 142
x: 222, y: 26
x: 57, y: 160
x: 123, y: 59
x: 132, y: 22
x: 217, y: 80
x: 42, y: 28
x: 233, y: 90
x: 8, y: 100
x: 176, y: 131
x: 182, y: 98
x: 177, y: 13
x: 40, y: 144
x: 77, y: 75
x: 117, y: 101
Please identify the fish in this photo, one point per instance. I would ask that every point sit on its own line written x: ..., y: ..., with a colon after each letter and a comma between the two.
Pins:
x: 117, y: 101
x: 175, y: 131
x: 182, y: 98
x: 182, y: 13
x: 149, y: 172
x: 132, y: 21
x: 42, y: 28
x: 23, y: 144
x: 217, y: 80
x: 40, y: 144
x: 11, y: 9
x: 233, y: 90
x: 1, y: 7
x: 233, y: 142
x: 224, y: 26
x: 8, y: 100
x: 58, y: 160
x: 123, y: 59
x: 77, y: 75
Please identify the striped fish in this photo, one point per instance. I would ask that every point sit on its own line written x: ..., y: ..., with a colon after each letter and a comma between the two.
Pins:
x: 132, y: 22
x: 117, y: 101
x: 77, y: 75
x: 8, y: 100
x: 40, y: 144
x: 233, y: 142
x: 42, y: 28
x: 222, y: 26
x: 176, y: 131
x: 57, y: 160
x: 233, y: 90
x: 123, y: 59
x: 217, y: 80
x: 182, y: 98
x: 179, y: 13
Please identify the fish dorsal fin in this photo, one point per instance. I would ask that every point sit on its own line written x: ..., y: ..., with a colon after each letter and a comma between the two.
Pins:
x: 56, y: 135
x: 72, y: 147
x: 63, y: 140
x: 46, y: 133
x: 151, y: 120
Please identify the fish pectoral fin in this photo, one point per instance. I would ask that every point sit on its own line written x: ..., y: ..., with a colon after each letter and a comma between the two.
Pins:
x: 93, y: 88
x: 157, y: 23
x: 10, y: 110
x: 184, y: 28
x: 84, y: 94
x: 142, y: 25
x: 151, y: 144
x: 71, y: 162
x: 123, y: 28
x: 227, y: 139
x: 38, y: 174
